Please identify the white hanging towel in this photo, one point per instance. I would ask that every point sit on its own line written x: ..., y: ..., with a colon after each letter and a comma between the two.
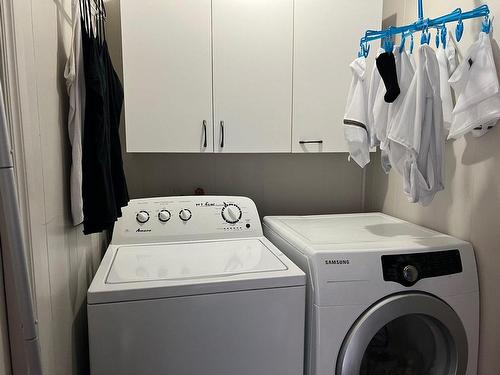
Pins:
x: 445, y: 88
x: 420, y: 131
x: 75, y: 85
x: 356, y: 117
x: 476, y: 84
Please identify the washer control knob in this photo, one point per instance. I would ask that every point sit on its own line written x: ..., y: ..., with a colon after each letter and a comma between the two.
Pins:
x: 410, y: 273
x: 142, y: 217
x: 231, y: 213
x: 164, y: 216
x: 185, y: 215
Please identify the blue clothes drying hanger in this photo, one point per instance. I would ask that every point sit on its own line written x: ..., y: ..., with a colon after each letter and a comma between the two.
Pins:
x: 424, y: 25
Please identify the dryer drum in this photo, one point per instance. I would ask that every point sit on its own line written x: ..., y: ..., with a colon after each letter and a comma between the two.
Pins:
x: 405, y: 334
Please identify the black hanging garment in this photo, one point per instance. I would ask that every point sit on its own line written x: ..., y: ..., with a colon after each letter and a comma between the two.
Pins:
x: 386, y: 65
x: 104, y: 188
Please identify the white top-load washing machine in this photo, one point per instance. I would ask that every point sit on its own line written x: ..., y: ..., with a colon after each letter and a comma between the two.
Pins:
x: 384, y: 296
x: 190, y: 286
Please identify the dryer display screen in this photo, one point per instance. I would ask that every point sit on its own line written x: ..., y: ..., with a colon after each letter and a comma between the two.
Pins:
x: 407, y: 269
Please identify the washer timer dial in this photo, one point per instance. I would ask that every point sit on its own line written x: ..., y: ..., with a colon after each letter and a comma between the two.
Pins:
x: 231, y: 213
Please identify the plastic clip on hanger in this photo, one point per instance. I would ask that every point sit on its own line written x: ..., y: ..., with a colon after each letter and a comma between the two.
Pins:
x: 459, y: 31
x: 438, y: 37
x: 444, y: 36
x: 486, y: 25
x: 388, y: 42
x: 403, y: 43
x: 364, y: 50
x: 425, y: 38
x: 412, y: 43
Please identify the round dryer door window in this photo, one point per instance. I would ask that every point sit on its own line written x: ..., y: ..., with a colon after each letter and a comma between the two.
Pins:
x: 405, y: 334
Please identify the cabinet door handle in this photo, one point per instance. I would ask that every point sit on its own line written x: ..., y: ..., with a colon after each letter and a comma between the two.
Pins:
x: 307, y: 142
x: 205, y: 133
x: 222, y: 134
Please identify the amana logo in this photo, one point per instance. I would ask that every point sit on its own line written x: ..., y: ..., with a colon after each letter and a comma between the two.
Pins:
x: 139, y: 230
x: 337, y: 261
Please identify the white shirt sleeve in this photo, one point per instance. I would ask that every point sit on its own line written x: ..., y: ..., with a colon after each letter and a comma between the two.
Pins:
x: 356, y: 115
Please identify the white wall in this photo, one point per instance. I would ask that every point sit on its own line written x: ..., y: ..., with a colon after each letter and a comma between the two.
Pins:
x: 469, y: 208
x: 280, y: 184
x: 63, y: 259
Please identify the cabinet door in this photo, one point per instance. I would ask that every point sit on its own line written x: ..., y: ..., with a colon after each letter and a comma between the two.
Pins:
x: 167, y: 70
x: 327, y: 34
x: 253, y: 42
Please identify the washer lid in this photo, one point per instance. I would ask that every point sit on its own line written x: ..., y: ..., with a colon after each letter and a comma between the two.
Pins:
x: 192, y: 260
x: 175, y: 269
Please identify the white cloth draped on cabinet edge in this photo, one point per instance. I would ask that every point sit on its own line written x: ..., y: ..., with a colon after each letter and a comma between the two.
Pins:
x: 410, y: 130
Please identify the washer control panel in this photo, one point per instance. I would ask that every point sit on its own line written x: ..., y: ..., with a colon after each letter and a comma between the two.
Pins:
x: 169, y: 219
x: 408, y: 269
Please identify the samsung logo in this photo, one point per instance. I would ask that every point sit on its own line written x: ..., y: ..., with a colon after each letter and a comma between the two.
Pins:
x: 337, y: 261
x: 139, y: 230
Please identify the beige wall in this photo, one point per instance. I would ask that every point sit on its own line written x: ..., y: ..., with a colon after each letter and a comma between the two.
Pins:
x: 279, y: 184
x: 469, y: 208
x: 63, y: 260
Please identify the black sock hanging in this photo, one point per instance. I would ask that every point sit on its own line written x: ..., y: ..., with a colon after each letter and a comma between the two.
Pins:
x: 386, y: 65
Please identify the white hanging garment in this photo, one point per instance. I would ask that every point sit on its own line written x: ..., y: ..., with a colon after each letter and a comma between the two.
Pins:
x: 375, y: 92
x: 476, y: 84
x: 383, y: 112
x: 419, y: 131
x: 75, y: 85
x: 396, y: 152
x: 445, y: 88
x: 356, y: 117
x: 451, y: 54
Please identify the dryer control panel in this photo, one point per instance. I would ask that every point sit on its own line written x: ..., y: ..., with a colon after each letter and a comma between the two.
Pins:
x: 408, y: 269
x: 169, y: 219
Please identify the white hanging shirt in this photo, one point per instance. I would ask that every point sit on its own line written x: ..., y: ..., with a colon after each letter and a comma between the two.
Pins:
x: 396, y: 152
x: 356, y: 116
x: 476, y: 84
x: 420, y: 131
x: 75, y: 84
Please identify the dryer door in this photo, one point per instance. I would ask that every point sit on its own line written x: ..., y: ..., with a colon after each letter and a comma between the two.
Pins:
x: 405, y: 334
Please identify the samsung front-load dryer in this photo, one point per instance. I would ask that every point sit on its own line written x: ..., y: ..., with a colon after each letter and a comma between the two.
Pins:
x: 190, y: 286
x: 384, y: 296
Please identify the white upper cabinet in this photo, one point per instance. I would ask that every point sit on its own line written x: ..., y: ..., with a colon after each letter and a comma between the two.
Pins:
x: 167, y: 70
x: 252, y: 42
x: 327, y: 34
x: 224, y: 73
